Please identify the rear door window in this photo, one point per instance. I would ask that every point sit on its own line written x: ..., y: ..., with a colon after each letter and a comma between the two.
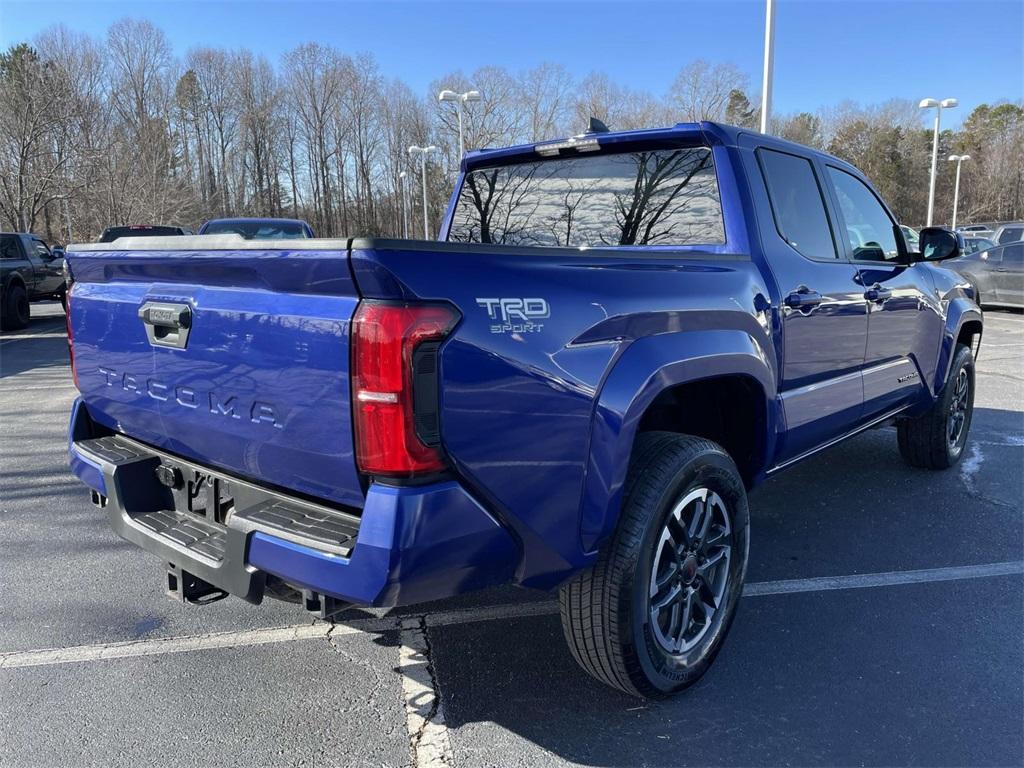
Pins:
x: 797, y: 204
x: 9, y: 247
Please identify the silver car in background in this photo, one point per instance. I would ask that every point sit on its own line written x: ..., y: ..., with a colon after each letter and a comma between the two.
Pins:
x: 997, y: 274
x: 1010, y: 232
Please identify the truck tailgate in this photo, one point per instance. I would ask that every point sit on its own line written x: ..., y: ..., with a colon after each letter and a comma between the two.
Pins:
x: 237, y: 359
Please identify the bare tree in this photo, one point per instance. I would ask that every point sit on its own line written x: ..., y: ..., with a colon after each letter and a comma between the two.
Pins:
x: 701, y: 90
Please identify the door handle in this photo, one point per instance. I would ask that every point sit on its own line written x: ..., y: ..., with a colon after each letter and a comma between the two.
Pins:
x: 803, y: 297
x: 877, y: 293
x: 167, y: 325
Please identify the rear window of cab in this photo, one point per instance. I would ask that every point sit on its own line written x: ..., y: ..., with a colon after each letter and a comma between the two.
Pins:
x: 658, y: 197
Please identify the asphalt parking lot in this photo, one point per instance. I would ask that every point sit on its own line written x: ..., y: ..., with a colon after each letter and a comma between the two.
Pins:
x: 882, y: 626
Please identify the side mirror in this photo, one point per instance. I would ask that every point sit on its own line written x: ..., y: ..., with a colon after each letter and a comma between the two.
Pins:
x: 939, y: 244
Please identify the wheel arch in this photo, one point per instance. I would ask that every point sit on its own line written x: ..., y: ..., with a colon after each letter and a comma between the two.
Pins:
x: 644, y: 391
x: 964, y: 324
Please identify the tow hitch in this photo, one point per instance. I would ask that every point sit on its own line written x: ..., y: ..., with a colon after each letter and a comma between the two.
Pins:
x: 186, y: 587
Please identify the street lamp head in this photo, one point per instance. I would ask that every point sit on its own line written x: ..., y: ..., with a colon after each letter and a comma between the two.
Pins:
x: 447, y: 95
x: 928, y: 103
x: 949, y: 103
x: 471, y: 96
x: 431, y: 148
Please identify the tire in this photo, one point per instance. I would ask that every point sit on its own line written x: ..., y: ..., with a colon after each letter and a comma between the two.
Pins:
x: 15, y: 313
x: 609, y: 617
x: 936, y: 439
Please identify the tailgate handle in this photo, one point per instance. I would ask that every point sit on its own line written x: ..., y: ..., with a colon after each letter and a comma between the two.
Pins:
x: 167, y: 325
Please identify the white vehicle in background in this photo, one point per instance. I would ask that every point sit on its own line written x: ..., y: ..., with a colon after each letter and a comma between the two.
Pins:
x: 1010, y: 232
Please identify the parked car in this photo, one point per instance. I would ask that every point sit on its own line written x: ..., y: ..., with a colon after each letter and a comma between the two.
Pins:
x: 259, y: 229
x: 57, y: 251
x: 975, y: 244
x: 28, y: 272
x: 984, y: 229
x: 110, y: 234
x: 559, y: 398
x: 997, y: 274
x: 1011, y: 232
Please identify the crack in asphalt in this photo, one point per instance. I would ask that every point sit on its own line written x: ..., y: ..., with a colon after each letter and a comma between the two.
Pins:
x: 435, y: 704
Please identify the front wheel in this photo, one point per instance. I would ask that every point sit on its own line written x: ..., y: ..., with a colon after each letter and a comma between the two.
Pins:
x: 653, y: 612
x: 936, y: 439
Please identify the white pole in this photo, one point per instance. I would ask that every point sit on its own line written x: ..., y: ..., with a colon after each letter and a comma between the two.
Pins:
x: 935, y: 159
x: 423, y: 169
x: 404, y: 200
x: 462, y: 147
x: 956, y: 190
x: 769, y: 63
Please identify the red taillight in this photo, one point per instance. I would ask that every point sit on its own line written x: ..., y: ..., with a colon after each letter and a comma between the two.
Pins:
x: 384, y: 339
x: 71, y: 338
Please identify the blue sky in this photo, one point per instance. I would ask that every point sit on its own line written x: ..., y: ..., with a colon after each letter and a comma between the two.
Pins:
x: 826, y: 50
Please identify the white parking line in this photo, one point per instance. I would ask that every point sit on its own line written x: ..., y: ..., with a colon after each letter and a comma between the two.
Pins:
x: 184, y: 644
x: 429, y: 741
x: 887, y: 579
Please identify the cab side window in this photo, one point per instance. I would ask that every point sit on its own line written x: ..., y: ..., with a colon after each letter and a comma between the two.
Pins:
x: 40, y: 251
x: 9, y: 247
x: 869, y: 230
x: 797, y: 204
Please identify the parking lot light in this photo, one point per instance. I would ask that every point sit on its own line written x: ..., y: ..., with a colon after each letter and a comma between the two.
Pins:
x: 459, y: 99
x: 938, y: 106
x: 404, y: 199
x: 422, y: 153
x: 958, y: 159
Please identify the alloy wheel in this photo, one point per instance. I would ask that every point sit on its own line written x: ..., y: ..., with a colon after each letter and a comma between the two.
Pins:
x: 690, y: 574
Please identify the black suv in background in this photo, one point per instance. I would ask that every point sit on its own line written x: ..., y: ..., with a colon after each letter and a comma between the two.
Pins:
x: 28, y: 271
x: 110, y: 234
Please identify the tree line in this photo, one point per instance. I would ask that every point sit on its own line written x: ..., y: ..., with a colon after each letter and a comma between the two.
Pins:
x: 98, y: 132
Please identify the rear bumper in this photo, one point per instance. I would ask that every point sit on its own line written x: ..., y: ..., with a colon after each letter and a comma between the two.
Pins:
x: 409, y: 545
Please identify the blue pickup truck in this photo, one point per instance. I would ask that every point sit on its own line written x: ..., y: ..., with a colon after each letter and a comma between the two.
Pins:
x: 616, y: 337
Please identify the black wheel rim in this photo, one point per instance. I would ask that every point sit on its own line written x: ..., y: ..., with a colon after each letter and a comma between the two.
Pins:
x: 690, y: 573
x: 958, y: 408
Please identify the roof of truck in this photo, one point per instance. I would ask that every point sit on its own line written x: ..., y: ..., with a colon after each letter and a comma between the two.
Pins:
x: 708, y: 132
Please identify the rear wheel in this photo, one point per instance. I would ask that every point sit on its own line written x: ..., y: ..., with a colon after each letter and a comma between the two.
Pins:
x: 15, y: 313
x: 936, y: 439
x: 653, y: 612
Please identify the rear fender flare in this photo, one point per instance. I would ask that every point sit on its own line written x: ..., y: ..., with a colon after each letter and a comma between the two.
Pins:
x: 648, y: 367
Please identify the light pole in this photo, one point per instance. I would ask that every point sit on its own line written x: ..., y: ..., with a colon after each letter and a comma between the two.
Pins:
x: 959, y: 159
x: 404, y: 194
x: 769, y: 63
x: 459, y: 99
x: 938, y: 106
x: 423, y: 152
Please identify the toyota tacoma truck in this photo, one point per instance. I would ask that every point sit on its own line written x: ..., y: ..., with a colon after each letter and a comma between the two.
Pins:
x: 614, y: 339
